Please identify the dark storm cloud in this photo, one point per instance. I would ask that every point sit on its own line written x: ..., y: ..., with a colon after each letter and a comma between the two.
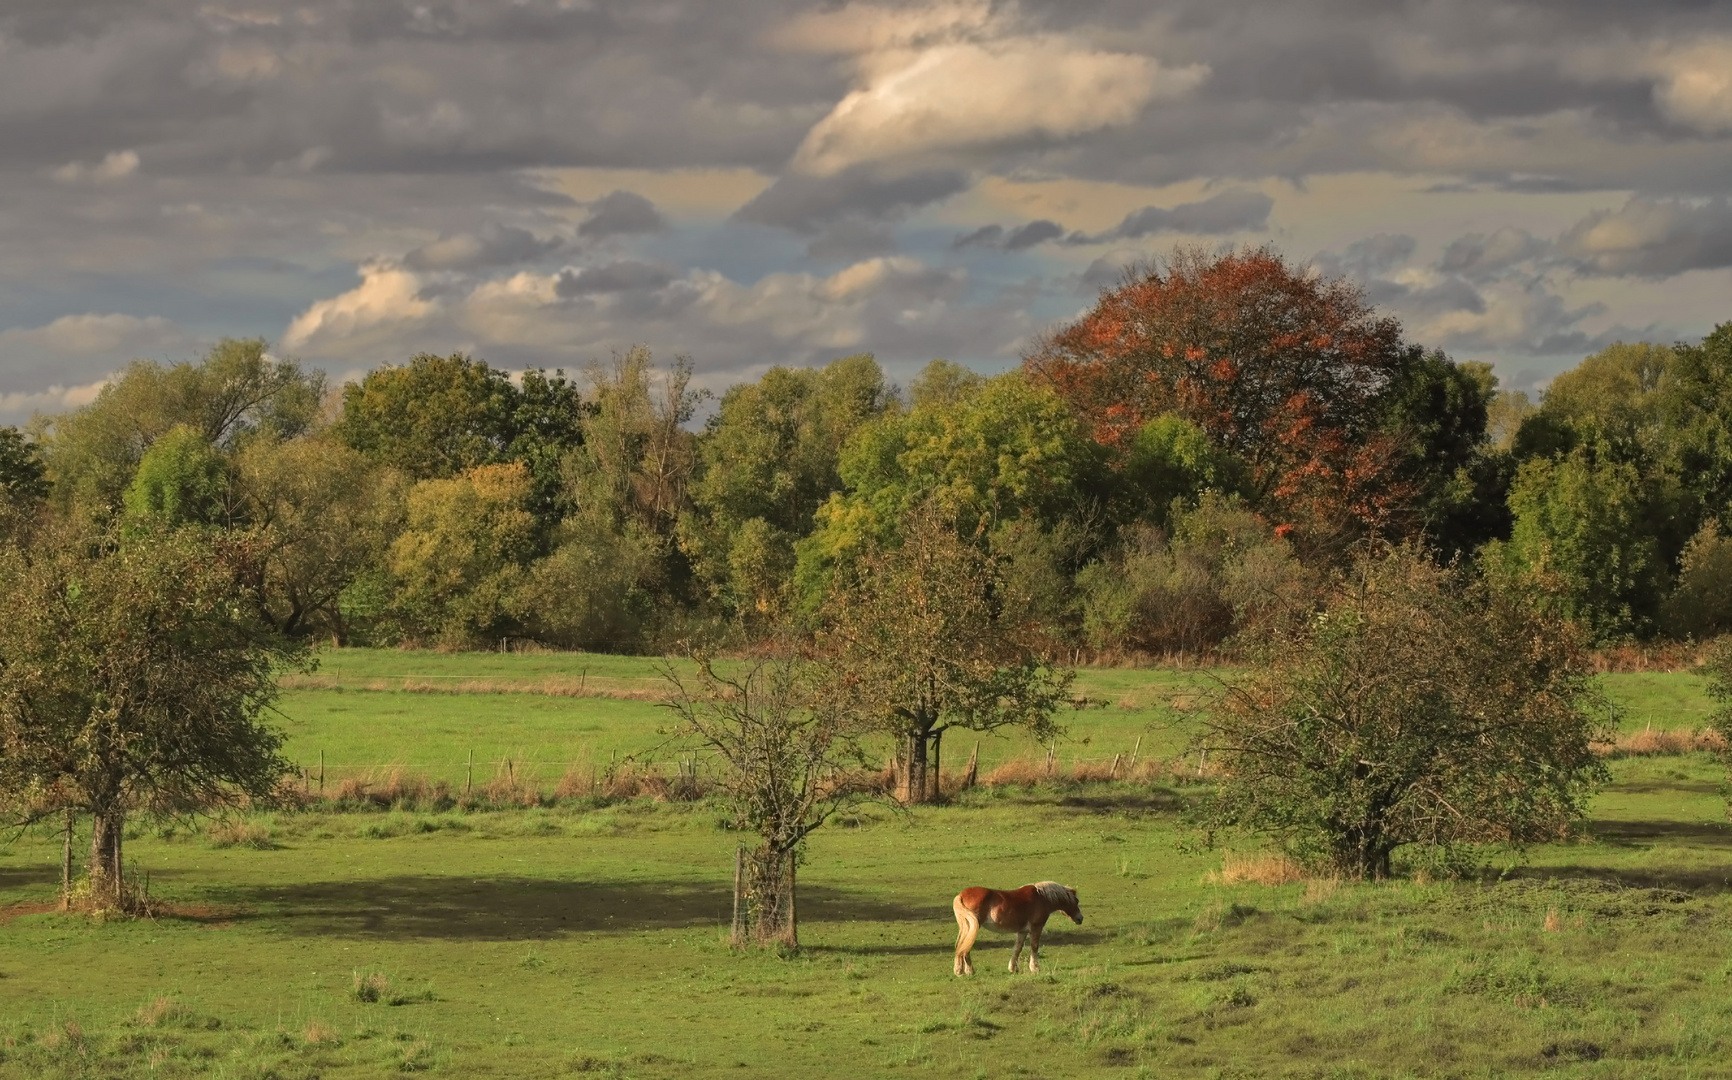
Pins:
x: 810, y: 203
x: 493, y: 245
x: 621, y: 213
x: 1478, y: 256
x: 1652, y: 238
x: 627, y: 275
x: 1228, y: 212
x: 1369, y: 258
x: 1017, y: 239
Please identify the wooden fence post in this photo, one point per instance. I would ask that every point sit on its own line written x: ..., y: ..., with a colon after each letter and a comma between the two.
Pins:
x: 1113, y: 773
x: 321, y: 772
x: 66, y: 865
x: 738, y: 934
x: 469, y: 773
x: 968, y: 777
x: 937, y: 771
x: 1132, y: 767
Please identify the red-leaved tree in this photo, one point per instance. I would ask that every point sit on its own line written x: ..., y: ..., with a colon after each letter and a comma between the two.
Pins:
x: 1285, y: 369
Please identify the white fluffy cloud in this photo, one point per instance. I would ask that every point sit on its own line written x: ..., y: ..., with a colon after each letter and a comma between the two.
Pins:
x: 387, y: 302
x: 956, y: 77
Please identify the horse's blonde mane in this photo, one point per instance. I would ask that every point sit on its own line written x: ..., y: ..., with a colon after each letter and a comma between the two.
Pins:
x: 1054, y: 892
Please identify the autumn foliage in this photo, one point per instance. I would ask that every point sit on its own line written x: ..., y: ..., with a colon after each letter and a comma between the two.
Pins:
x: 1282, y: 368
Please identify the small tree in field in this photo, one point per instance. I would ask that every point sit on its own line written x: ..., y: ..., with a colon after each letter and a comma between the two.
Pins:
x: 134, y: 674
x: 789, y: 746
x: 1415, y: 708
x: 925, y: 640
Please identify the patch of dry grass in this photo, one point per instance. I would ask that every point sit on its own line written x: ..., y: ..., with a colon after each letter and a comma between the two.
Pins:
x: 617, y: 688
x: 1654, y: 742
x: 1269, y: 868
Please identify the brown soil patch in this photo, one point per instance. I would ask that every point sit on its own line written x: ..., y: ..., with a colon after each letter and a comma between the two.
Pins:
x: 13, y: 911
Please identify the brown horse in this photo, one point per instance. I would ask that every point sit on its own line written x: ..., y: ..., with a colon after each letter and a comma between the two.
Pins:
x: 1021, y: 911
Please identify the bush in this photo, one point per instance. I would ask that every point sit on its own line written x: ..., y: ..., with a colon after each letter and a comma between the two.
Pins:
x: 1418, y: 707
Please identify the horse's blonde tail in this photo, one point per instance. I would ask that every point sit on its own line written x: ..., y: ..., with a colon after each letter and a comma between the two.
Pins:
x: 967, y: 929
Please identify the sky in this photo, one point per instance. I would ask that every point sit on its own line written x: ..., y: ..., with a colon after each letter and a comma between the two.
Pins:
x: 763, y: 182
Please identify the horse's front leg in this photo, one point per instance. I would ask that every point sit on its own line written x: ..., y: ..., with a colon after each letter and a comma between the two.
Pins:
x: 1016, y: 953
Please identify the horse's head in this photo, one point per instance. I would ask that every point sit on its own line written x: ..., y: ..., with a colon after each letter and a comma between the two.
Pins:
x: 1073, y: 909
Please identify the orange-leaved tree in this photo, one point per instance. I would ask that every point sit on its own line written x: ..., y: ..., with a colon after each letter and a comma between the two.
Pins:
x: 1283, y: 368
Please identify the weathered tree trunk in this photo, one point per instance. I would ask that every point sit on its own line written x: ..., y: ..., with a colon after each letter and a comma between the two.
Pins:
x: 770, y: 897
x: 106, y: 828
x: 914, y: 788
x: 937, y: 767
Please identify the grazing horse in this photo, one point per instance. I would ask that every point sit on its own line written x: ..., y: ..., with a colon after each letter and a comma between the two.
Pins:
x: 1021, y: 911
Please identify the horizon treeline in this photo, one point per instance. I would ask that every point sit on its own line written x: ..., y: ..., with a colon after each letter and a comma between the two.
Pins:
x: 1198, y: 452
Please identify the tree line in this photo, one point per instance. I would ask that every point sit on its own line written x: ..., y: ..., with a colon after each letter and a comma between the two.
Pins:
x: 1226, y: 454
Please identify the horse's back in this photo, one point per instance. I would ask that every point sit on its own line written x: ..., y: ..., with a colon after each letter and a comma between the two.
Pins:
x: 975, y: 898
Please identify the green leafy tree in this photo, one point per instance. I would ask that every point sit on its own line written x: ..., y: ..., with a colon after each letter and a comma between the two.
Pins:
x: 1415, y: 708
x: 1700, y: 607
x: 1006, y: 451
x: 789, y: 744
x: 23, y: 476
x: 134, y: 677
x: 768, y: 459
x: 320, y: 517
x: 236, y: 391
x: 462, y: 552
x: 431, y: 418
x: 182, y: 480
x: 1586, y: 524
x: 920, y: 637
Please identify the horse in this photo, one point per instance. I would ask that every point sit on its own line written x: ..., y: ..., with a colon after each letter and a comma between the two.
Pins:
x: 1023, y: 911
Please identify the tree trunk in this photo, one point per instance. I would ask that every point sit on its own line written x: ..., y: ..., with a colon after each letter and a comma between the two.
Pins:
x: 914, y: 773
x: 937, y: 767
x: 770, y: 897
x: 106, y: 828
x: 66, y: 864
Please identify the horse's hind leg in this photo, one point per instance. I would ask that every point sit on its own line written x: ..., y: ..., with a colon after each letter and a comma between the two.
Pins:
x: 1033, y: 949
x: 1016, y: 953
x: 967, y: 927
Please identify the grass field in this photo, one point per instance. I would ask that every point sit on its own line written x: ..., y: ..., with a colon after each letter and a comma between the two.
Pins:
x: 589, y: 941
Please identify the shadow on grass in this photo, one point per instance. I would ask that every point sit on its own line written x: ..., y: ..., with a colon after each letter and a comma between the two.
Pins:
x: 28, y: 877
x: 500, y: 909
x: 984, y: 945
x: 1647, y: 833
x: 1699, y: 882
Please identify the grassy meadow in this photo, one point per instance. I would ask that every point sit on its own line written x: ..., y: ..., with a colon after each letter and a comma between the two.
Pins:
x: 588, y: 939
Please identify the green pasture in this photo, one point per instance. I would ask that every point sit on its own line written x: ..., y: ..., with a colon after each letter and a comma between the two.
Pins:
x: 589, y: 940
x: 367, y: 730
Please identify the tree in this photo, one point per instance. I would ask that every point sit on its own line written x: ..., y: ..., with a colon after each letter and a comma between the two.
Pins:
x: 182, y: 480
x: 1006, y: 450
x: 1415, y: 708
x: 320, y: 516
x: 919, y: 634
x: 462, y: 552
x: 1586, y: 524
x: 1284, y: 370
x: 23, y: 476
x: 431, y: 418
x: 134, y: 677
x: 767, y: 460
x: 788, y: 742
x: 236, y: 391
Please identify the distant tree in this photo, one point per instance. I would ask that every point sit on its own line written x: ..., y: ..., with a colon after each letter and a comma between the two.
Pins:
x: 23, y: 476
x: 920, y: 636
x: 1004, y: 451
x: 319, y: 517
x: 767, y: 460
x: 1587, y: 524
x: 1415, y: 708
x: 1698, y: 412
x: 182, y: 480
x: 237, y: 390
x: 134, y: 677
x: 431, y: 418
x: 1700, y: 607
x: 789, y: 745
x: 463, y: 550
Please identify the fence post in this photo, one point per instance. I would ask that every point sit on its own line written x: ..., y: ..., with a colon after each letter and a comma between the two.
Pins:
x: 1132, y: 767
x: 739, y: 872
x: 937, y: 770
x: 1113, y: 773
x: 973, y: 766
x: 66, y: 865
x: 321, y: 772
x: 469, y: 772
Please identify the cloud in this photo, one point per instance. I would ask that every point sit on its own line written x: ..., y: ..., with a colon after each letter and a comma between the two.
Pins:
x: 1694, y: 85
x: 1368, y: 258
x: 1228, y: 212
x: 621, y: 213
x: 1479, y: 256
x: 974, y: 94
x: 63, y: 363
x: 1652, y: 237
x: 115, y: 166
x: 625, y: 276
x: 492, y: 245
x: 1025, y: 236
x: 388, y: 301
x: 807, y: 203
x: 55, y: 399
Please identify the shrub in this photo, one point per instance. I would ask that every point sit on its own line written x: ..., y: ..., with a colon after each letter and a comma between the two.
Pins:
x: 1418, y: 707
